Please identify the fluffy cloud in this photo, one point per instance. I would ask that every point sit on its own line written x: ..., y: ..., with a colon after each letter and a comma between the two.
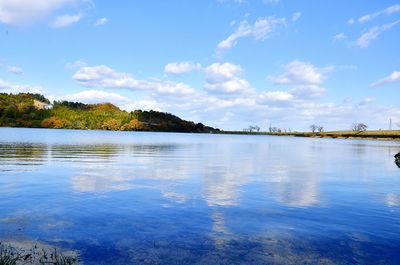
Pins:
x: 106, y: 77
x: 66, y: 20
x: 96, y: 96
x: 262, y: 29
x: 181, y: 67
x: 220, y: 72
x: 101, y: 21
x: 393, y: 77
x: 373, y: 33
x: 293, y: 97
x: 225, y: 78
x: 143, y: 104
x: 301, y: 73
x: 12, y: 88
x: 20, y: 12
x: 15, y: 70
x: 275, y: 98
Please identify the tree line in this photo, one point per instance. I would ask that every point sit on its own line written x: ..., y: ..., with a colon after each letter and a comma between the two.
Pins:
x: 314, y: 128
x: 21, y: 110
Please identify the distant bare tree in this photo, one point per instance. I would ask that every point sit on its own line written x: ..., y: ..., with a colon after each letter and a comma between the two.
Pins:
x: 275, y: 129
x: 313, y: 127
x: 320, y: 129
x: 252, y: 129
x: 359, y: 127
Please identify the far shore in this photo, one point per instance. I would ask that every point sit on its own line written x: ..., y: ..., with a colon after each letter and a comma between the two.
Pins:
x: 388, y: 135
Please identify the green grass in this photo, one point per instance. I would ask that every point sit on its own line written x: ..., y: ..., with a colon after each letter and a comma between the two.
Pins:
x: 378, y: 134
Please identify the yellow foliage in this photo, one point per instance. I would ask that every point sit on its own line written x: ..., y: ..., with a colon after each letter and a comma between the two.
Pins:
x: 111, y: 124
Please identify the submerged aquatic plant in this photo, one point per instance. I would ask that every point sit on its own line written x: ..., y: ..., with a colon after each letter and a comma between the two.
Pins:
x: 8, y: 256
x: 56, y: 258
x: 13, y: 256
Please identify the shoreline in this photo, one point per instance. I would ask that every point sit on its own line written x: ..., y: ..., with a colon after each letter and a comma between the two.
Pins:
x: 384, y: 135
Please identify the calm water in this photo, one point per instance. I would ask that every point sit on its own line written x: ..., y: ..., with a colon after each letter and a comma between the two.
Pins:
x: 155, y: 198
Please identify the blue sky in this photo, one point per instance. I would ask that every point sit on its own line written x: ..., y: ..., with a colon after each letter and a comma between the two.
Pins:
x: 229, y: 64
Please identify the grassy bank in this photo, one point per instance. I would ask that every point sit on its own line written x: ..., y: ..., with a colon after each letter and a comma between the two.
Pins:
x: 371, y: 135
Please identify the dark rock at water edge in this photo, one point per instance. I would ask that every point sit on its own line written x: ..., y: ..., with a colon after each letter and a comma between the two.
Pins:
x: 397, y: 159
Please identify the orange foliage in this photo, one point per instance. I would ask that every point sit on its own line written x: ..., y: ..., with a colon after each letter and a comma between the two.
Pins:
x: 135, y: 125
x: 54, y: 122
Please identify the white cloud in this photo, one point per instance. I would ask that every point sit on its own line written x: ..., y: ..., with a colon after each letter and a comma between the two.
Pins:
x: 351, y: 21
x: 15, y: 70
x: 168, y: 87
x: 366, y: 101
x: 66, y: 20
x: 181, y: 67
x: 226, y: 91
x: 339, y: 37
x: 393, y: 77
x: 262, y: 29
x: 387, y: 11
x: 101, y: 21
x: 143, y: 105
x: 234, y: 1
x: 296, y: 16
x: 225, y: 78
x: 220, y: 72
x: 271, y: 1
x: 307, y: 92
x: 22, y: 12
x: 229, y: 87
x: 106, y: 77
x: 301, y: 73
x: 96, y: 96
x: 275, y: 96
x: 12, y: 88
x: 373, y: 33
x: 75, y: 65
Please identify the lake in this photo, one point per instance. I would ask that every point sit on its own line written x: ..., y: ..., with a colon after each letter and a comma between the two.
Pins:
x: 165, y: 198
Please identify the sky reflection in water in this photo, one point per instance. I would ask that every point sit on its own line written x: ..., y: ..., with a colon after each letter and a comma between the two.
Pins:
x: 154, y: 198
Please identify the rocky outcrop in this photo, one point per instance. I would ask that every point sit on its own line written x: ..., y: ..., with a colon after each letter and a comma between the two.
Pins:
x: 397, y: 159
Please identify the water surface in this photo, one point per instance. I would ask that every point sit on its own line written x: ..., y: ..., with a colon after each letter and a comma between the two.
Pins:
x: 162, y: 198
